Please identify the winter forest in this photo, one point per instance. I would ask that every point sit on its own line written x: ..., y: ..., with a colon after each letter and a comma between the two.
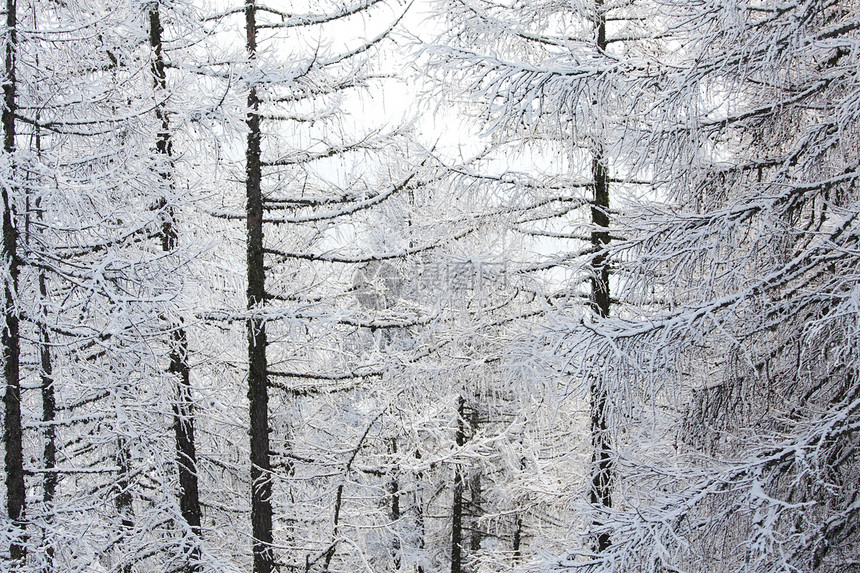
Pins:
x: 431, y: 286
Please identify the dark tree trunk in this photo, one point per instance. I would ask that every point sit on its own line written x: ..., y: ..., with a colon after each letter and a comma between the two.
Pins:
x: 12, y: 439
x: 186, y: 455
x: 49, y: 410
x: 49, y: 401
x: 518, y: 538
x: 124, y: 501
x: 419, y: 510
x: 258, y: 393
x: 457, y: 505
x: 475, y: 494
x: 600, y: 492
x: 394, y: 489
x: 183, y: 407
x: 516, y: 545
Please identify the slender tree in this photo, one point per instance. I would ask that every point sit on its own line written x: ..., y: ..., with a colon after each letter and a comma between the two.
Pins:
x: 313, y: 170
x: 258, y: 388
x: 551, y: 79
x: 91, y: 299
x: 12, y: 433
x: 183, y: 408
x: 600, y: 491
x: 457, y: 503
x: 736, y: 373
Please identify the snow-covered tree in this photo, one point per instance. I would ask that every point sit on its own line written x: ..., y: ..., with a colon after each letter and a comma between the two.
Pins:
x: 315, y: 172
x: 734, y: 383
x: 12, y: 432
x: 620, y: 335
x: 557, y: 86
x: 95, y: 293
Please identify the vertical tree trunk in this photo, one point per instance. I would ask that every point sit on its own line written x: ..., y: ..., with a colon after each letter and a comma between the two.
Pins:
x: 516, y: 544
x: 600, y: 493
x: 183, y: 407
x: 457, y: 505
x: 186, y: 454
x: 394, y: 489
x: 15, y: 494
x: 518, y: 539
x: 124, y: 501
x: 258, y: 394
x: 49, y: 401
x: 419, y: 511
x: 475, y: 504
x: 49, y: 411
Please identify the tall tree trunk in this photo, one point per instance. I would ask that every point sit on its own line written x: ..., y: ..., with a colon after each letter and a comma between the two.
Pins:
x: 475, y: 493
x: 258, y: 393
x: 517, y: 542
x: 600, y: 493
x: 518, y: 539
x: 186, y: 455
x: 124, y: 500
x: 183, y: 406
x: 419, y: 511
x: 394, y: 489
x: 12, y: 439
x: 457, y: 505
x: 49, y: 400
x: 49, y: 411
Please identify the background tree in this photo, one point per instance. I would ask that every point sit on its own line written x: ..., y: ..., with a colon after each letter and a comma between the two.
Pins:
x: 93, y: 292
x: 563, y: 83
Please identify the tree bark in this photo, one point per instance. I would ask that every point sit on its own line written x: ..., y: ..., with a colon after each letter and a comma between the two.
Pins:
x: 124, y: 500
x: 600, y: 493
x: 518, y: 539
x: 457, y: 505
x: 394, y: 489
x: 475, y: 494
x: 419, y: 511
x: 50, y: 478
x: 12, y: 437
x: 258, y: 393
x: 49, y: 412
x: 186, y: 454
x: 183, y: 406
x: 516, y: 545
